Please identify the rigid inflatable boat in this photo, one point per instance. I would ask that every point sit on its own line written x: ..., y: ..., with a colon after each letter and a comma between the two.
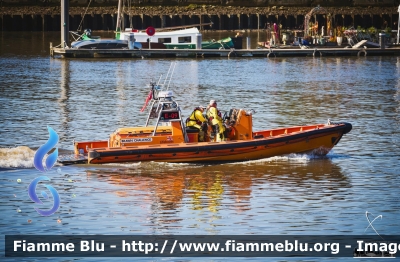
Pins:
x: 168, y: 140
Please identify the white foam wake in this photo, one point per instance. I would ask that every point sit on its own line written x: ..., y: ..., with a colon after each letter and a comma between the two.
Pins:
x: 298, y: 158
x: 21, y: 156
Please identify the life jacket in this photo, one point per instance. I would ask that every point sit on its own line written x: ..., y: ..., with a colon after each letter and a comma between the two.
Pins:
x: 210, y: 118
x: 193, y: 117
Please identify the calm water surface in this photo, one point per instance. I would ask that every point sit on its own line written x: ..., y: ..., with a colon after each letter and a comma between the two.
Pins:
x: 86, y: 99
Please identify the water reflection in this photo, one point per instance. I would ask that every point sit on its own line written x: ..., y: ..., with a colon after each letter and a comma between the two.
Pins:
x: 121, y: 74
x: 65, y: 92
x: 397, y: 94
x: 168, y: 187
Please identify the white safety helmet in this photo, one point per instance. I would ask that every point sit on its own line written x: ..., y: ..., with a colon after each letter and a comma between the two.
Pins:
x: 212, y: 102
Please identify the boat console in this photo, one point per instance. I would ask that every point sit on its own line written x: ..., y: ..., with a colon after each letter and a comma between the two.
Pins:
x: 239, y: 124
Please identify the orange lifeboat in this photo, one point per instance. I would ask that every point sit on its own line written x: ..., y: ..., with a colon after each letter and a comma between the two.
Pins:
x: 168, y: 140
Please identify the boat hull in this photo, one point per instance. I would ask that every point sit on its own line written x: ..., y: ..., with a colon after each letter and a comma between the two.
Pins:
x: 100, y: 44
x: 317, y: 141
x: 225, y: 43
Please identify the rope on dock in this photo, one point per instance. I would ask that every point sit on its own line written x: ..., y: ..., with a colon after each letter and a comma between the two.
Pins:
x: 232, y: 52
x: 315, y: 51
x: 362, y: 51
x: 271, y: 52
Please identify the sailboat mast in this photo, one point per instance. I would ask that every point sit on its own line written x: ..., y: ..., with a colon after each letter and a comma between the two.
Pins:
x: 65, y: 23
x: 398, y: 26
x: 118, y: 29
x: 119, y: 16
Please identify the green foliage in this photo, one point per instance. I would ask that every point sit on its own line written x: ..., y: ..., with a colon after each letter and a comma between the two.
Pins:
x: 192, y: 6
x: 371, y: 30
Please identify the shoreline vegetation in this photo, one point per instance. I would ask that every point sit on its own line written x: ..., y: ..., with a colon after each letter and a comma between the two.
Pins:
x: 45, y: 16
x: 193, y: 9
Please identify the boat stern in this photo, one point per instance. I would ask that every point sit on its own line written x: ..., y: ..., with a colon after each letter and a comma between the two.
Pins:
x: 82, y: 148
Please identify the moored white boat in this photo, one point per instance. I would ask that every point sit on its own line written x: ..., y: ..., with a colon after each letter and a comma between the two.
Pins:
x: 179, y: 37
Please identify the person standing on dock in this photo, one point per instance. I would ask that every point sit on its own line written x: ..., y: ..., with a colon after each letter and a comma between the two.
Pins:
x: 214, y: 116
x: 197, y: 120
x: 276, y: 34
x: 268, y: 36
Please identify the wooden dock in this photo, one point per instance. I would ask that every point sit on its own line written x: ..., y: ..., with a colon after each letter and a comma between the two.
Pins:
x: 200, y: 53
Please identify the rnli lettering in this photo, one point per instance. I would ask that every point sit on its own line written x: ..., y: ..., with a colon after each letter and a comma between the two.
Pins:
x: 136, y: 140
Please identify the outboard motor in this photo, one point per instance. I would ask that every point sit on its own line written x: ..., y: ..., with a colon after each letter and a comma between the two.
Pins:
x: 242, y: 123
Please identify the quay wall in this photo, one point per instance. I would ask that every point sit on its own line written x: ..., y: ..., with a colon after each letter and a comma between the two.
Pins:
x: 45, y: 15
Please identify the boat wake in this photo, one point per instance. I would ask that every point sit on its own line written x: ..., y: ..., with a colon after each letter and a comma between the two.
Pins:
x: 294, y: 158
x: 297, y: 158
x: 159, y: 166
x: 20, y: 157
x: 152, y: 166
x: 16, y: 157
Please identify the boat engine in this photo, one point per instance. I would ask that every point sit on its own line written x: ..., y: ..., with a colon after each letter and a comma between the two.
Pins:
x: 241, y: 123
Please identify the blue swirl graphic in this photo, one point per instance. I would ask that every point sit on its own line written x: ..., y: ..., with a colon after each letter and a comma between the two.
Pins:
x: 34, y: 197
x: 44, y: 149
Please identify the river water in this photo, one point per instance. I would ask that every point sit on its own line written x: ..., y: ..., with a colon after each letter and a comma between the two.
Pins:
x: 85, y: 99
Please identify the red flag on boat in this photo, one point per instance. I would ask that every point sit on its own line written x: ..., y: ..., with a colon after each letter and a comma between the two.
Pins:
x: 149, y: 96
